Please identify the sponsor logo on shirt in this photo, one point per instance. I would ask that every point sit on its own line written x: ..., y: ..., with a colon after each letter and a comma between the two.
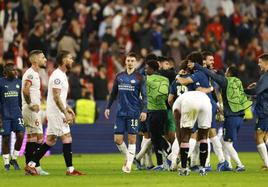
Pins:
x: 57, y: 81
x: 30, y: 77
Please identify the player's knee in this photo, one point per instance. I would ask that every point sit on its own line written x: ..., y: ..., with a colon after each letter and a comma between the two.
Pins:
x: 259, y: 136
x: 212, y: 133
x: 132, y: 138
x: 118, y: 140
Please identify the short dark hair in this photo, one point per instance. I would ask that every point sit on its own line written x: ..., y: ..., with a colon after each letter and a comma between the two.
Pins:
x: 233, y: 71
x: 162, y: 59
x: 61, y: 55
x: 195, y: 57
x: 205, y: 54
x: 149, y: 57
x: 35, y: 52
x: 183, y: 65
x: 8, y: 66
x: 264, y: 57
x: 132, y: 54
x: 153, y: 64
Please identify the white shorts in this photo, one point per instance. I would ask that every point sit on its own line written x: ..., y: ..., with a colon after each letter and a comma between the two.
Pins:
x: 56, y: 126
x: 32, y: 121
x: 193, y: 110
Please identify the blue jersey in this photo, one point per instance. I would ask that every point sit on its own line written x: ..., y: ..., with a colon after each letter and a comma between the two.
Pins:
x: 178, y: 89
x: 10, y: 98
x: 261, y: 90
x: 200, y: 79
x: 128, y: 88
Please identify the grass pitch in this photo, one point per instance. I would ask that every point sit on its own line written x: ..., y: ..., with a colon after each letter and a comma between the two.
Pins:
x: 105, y: 170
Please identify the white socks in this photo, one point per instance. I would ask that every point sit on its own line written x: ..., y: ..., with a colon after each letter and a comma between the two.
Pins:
x: 232, y: 152
x: 6, y: 159
x: 130, y: 155
x: 192, y: 143
x: 226, y: 154
x: 195, y: 155
x: 208, y: 157
x: 145, y: 144
x: 123, y: 149
x: 217, y: 147
x: 175, y: 149
x: 148, y: 157
x: 263, y: 153
x: 15, y: 154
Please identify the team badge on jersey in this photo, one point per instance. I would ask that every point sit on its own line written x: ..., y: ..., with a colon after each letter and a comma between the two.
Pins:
x: 30, y: 77
x: 57, y: 81
x: 17, y: 86
x: 133, y: 81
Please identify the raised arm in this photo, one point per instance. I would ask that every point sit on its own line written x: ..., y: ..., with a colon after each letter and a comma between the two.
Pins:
x: 184, y: 80
x: 221, y: 80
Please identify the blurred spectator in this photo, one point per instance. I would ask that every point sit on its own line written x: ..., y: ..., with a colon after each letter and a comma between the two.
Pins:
x: 215, y: 28
x: 36, y: 39
x: 33, y: 11
x: 7, y: 15
x: 16, y: 48
x: 228, y: 7
x: 107, y: 22
x: 44, y: 17
x: 157, y: 39
x: 89, y: 69
x: 108, y: 36
x: 9, y: 32
x: 70, y: 41
x: 245, y: 31
x: 248, y: 7
x: 175, y: 51
x: 75, y: 81
x: 100, y: 84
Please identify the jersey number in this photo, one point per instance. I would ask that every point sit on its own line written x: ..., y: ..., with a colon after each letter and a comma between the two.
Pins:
x: 181, y: 89
x: 21, y: 122
x: 134, y: 123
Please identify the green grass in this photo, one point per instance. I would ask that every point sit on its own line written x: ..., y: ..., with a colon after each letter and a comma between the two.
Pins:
x: 105, y: 170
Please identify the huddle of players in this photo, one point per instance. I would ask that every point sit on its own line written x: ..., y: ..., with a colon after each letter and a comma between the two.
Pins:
x: 193, y: 97
x: 20, y: 108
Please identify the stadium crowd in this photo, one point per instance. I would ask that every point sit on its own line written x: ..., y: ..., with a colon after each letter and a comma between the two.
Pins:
x: 98, y: 32
x: 96, y: 42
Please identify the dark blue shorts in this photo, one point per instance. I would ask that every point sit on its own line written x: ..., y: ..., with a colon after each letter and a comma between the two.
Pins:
x: 15, y: 125
x: 231, y: 127
x: 213, y: 121
x: 195, y: 128
x: 125, y: 124
x: 262, y: 124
